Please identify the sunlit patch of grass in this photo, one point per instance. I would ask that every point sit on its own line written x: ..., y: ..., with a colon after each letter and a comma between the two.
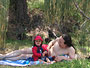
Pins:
x: 35, y: 4
x: 19, y: 42
x: 11, y: 45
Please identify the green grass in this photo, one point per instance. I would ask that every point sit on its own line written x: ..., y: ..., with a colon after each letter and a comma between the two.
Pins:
x: 18, y: 44
x: 65, y: 64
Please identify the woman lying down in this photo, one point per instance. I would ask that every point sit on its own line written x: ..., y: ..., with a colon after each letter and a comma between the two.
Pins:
x: 59, y: 49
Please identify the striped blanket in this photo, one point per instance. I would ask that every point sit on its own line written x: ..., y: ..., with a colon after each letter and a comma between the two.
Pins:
x: 19, y: 62
x: 27, y: 62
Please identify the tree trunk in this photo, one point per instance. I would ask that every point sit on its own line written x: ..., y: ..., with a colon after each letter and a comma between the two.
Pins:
x: 18, y: 19
x: 3, y: 23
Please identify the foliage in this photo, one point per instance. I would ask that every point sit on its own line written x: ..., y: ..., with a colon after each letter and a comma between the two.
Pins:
x: 58, y: 10
x: 83, y: 34
x: 33, y: 4
x: 64, y: 13
x: 3, y: 21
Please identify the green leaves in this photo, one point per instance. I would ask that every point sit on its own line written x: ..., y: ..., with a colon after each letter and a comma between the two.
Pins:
x: 3, y: 21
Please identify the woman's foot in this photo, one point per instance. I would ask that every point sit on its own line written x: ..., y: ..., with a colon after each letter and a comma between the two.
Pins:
x: 53, y: 62
x: 1, y: 56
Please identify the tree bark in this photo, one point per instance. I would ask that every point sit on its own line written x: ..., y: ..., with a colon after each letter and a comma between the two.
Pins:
x: 18, y: 19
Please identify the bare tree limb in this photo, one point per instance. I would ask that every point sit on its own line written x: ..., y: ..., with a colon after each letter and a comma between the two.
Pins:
x: 76, y: 5
x: 82, y: 25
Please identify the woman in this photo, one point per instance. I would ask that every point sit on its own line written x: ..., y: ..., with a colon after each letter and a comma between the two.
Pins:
x: 60, y: 47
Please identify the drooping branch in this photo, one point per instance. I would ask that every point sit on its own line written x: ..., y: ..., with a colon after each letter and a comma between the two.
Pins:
x: 82, y: 25
x: 76, y: 5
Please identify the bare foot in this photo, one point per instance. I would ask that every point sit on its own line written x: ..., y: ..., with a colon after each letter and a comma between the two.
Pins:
x: 47, y: 60
x: 1, y: 56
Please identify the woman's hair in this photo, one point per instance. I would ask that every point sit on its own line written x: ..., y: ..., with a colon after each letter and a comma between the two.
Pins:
x: 67, y: 39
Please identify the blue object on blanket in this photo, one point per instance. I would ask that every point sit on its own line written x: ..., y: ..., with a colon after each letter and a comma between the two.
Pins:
x: 65, y: 55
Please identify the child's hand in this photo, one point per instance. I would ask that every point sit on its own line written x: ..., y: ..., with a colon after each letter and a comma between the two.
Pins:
x: 47, y: 60
x: 44, y: 53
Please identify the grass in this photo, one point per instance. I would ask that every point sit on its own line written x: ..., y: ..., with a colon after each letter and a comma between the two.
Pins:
x: 18, y: 43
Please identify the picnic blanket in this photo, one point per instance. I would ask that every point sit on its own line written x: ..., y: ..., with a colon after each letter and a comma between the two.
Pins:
x: 19, y: 62
x: 27, y: 62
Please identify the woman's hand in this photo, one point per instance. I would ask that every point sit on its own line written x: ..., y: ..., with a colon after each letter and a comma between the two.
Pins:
x: 59, y: 58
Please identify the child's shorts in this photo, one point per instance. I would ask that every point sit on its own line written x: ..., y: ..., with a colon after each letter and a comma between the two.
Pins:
x: 50, y: 58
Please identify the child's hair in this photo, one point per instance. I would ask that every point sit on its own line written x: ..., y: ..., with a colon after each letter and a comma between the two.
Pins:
x: 38, y: 37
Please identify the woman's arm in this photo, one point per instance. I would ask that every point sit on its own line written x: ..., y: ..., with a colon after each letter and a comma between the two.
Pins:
x: 51, y: 43
x: 59, y: 58
x: 71, y: 54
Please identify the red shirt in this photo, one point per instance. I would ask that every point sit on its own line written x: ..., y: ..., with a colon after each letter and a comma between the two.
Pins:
x: 37, y: 55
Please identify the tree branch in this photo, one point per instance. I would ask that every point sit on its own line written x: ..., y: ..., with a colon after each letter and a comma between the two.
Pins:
x: 76, y: 5
x: 82, y: 25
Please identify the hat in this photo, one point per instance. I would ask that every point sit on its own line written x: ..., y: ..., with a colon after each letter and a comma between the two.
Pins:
x: 38, y: 38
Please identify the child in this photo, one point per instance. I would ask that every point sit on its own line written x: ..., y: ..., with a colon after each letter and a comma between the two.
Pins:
x: 39, y: 50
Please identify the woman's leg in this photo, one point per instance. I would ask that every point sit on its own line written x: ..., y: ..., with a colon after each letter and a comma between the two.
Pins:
x: 17, y: 53
x: 13, y: 54
x: 1, y: 56
x: 20, y: 57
